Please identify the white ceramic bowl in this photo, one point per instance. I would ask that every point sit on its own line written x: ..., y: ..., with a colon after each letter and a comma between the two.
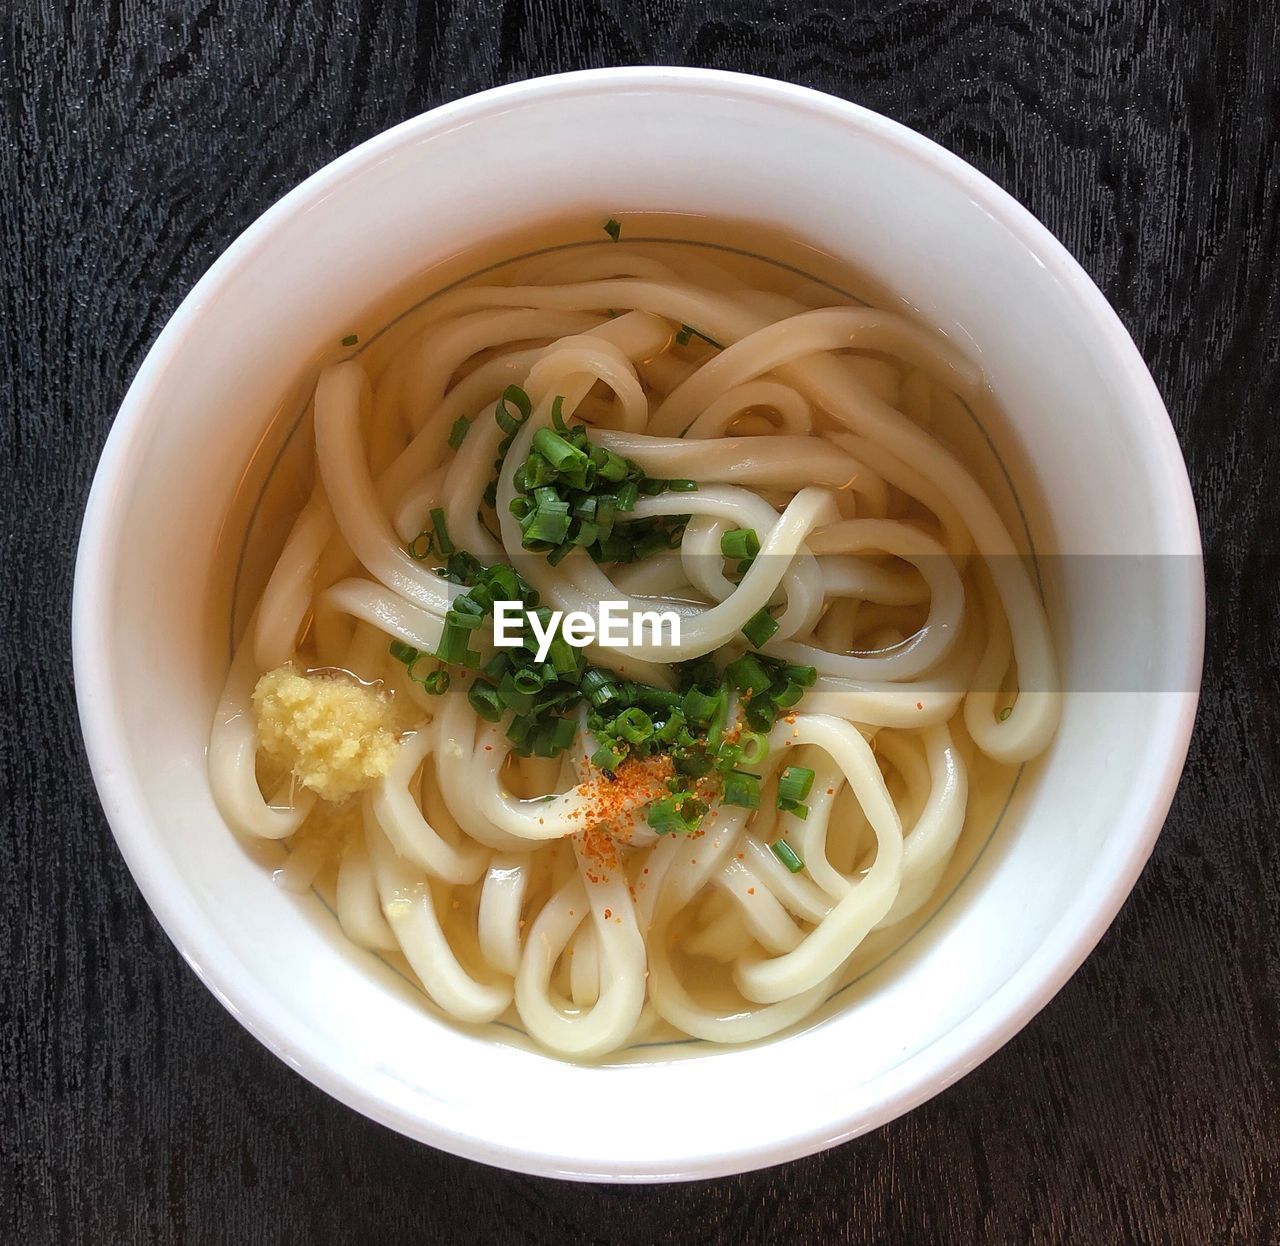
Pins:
x: 1082, y: 408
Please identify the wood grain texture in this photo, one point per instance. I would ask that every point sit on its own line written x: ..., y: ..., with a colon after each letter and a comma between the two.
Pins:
x: 140, y: 136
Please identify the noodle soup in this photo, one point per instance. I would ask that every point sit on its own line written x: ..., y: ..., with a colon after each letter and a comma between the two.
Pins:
x: 615, y: 844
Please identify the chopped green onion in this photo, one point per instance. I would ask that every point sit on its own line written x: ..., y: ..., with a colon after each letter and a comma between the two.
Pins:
x: 682, y: 486
x: 627, y: 497
x: 598, y: 687
x: 513, y: 393
x: 583, y: 533
x: 1004, y: 713
x: 563, y: 733
x: 436, y: 682
x: 402, y: 652
x: 563, y: 657
x: 608, y: 756
x: 453, y: 645
x: 787, y: 855
x: 504, y: 583
x: 502, y: 413
x: 485, y: 701
x: 613, y: 468
x: 805, y: 676
x: 558, y: 452
x: 691, y: 761
x: 670, y: 730
x: 740, y: 543
x: 427, y: 660
x: 633, y: 725
x: 786, y: 696
x: 747, y: 674
x: 715, y: 728
x: 351, y: 339
x: 794, y: 784
x: 461, y: 427
x: 658, y: 698
x: 613, y: 229
x: 528, y: 680
x: 700, y: 707
x: 754, y: 747
x: 547, y: 524
x: 613, y: 549
x: 518, y: 732
x: 741, y: 789
x: 537, y: 472
x: 468, y: 622
x: 678, y: 813
x: 702, y: 672
x: 513, y: 696
x: 553, y: 737
x: 728, y: 756
x: 421, y: 546
x: 760, y: 627
x: 443, y: 543
x: 760, y: 714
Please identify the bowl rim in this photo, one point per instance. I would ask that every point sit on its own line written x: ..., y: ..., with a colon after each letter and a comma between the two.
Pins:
x: 977, y: 1036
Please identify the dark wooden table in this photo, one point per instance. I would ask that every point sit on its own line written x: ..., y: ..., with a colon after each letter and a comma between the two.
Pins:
x: 140, y: 138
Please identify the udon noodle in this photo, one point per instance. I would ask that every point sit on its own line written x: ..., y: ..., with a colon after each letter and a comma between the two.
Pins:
x: 898, y: 628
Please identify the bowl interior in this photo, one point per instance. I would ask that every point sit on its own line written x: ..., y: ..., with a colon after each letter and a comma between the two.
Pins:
x: 1094, y: 465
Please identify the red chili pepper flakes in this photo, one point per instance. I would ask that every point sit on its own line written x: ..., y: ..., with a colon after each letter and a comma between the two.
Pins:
x: 600, y: 851
x: 636, y: 783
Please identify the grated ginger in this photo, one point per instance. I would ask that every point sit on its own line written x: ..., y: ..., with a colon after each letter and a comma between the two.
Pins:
x: 337, y: 736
